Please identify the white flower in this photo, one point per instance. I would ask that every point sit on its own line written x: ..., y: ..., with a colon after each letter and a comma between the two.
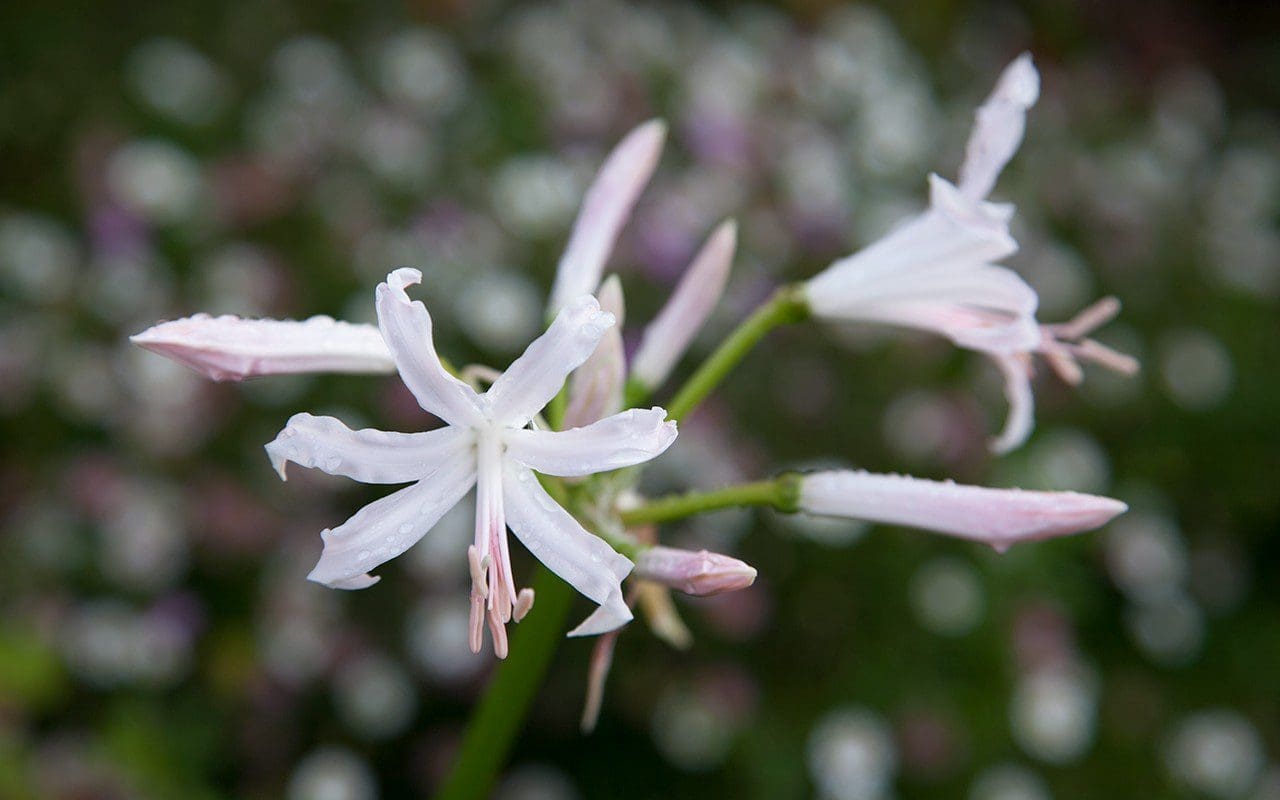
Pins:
x: 485, y: 443
x: 998, y: 517
x: 936, y: 272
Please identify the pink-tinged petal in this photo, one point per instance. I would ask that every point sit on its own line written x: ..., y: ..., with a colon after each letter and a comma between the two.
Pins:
x: 368, y: 456
x: 229, y: 348
x: 669, y: 335
x: 537, y: 375
x: 609, y: 617
x: 595, y: 388
x: 584, y: 561
x: 998, y: 129
x: 406, y: 327
x: 597, y: 674
x: 605, y: 209
x: 386, y: 528
x: 622, y: 440
x: 700, y: 574
x: 1016, y: 371
x: 998, y: 517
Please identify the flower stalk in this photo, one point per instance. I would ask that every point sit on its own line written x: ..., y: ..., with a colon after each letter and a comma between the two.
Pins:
x: 787, y: 305
x: 781, y: 493
x: 504, y: 705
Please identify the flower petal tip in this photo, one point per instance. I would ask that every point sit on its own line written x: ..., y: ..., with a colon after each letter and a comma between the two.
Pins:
x: 403, y: 276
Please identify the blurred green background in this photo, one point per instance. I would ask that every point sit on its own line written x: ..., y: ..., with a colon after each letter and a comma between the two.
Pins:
x: 158, y: 639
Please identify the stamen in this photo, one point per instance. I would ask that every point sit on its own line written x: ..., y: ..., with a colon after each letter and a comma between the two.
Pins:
x: 1088, y: 320
x: 476, y: 625
x: 479, y: 585
x: 1064, y: 366
x: 524, y: 602
x: 499, y: 633
x: 1104, y: 356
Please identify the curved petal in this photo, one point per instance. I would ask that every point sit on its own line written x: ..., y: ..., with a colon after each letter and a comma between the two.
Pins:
x: 998, y: 517
x: 605, y: 209
x: 595, y: 388
x: 386, y: 528
x: 585, y: 561
x: 999, y: 127
x: 368, y: 456
x: 669, y: 334
x: 230, y: 348
x: 406, y: 327
x: 622, y: 440
x: 1017, y: 390
x: 535, y: 377
x: 606, y: 618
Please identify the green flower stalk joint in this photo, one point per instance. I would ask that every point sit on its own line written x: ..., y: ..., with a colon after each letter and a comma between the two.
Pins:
x: 558, y: 464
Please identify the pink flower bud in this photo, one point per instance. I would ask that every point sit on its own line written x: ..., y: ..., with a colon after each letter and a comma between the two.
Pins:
x: 669, y: 335
x: 701, y: 574
x: 605, y: 210
x: 229, y: 348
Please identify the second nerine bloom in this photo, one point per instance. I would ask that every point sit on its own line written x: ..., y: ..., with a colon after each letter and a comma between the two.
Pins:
x: 488, y: 443
x: 937, y: 271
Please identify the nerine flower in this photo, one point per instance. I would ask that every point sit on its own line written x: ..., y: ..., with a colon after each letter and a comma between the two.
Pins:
x: 485, y: 443
x: 937, y: 271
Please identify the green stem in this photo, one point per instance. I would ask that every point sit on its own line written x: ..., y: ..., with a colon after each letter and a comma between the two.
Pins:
x: 498, y: 717
x: 782, y: 493
x: 787, y: 305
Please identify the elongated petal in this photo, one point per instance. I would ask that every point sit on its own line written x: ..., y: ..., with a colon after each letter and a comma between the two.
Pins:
x: 368, y: 456
x: 537, y: 375
x: 998, y: 517
x: 386, y: 528
x: 998, y: 129
x: 595, y: 388
x: 406, y: 327
x: 622, y: 440
x: 556, y: 539
x: 229, y: 348
x: 605, y: 209
x: 669, y: 335
x: 1017, y: 390
x: 608, y: 617
x: 597, y: 674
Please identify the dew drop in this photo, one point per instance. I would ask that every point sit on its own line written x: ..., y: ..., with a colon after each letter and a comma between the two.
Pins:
x: 363, y: 554
x: 333, y: 462
x: 405, y: 528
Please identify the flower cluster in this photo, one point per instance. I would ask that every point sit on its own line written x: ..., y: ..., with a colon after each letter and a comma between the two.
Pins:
x: 555, y: 462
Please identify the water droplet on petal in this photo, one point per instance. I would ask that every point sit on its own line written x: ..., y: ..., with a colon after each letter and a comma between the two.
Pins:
x: 332, y: 463
x: 405, y: 528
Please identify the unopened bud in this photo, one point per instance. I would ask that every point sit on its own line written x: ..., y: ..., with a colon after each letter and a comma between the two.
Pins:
x: 702, y: 573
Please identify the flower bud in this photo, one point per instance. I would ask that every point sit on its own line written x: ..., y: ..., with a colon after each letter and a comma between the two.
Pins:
x: 229, y: 348
x: 998, y: 517
x: 701, y: 574
x: 668, y: 336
